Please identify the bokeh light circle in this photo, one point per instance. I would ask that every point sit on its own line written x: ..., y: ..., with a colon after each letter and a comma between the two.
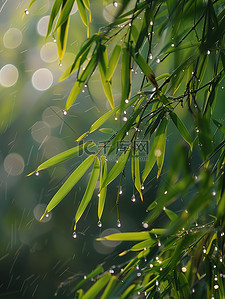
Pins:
x: 50, y: 116
x: 12, y: 38
x: 42, y: 25
x: 49, y: 52
x: 106, y: 247
x: 8, y: 75
x: 40, y: 131
x: 14, y: 164
x: 42, y: 79
x: 39, y: 210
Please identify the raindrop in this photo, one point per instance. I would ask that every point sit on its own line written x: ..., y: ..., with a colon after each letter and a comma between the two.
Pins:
x: 172, y: 45
x: 115, y: 4
x: 160, y: 269
x: 158, y: 60
x: 37, y: 173
x: 127, y: 133
x: 116, y: 118
x: 208, y: 52
x: 126, y: 101
x: 124, y: 118
x: 64, y: 112
x: 137, y: 267
x: 83, y: 90
x: 183, y: 269
x: 156, y: 283
x: 221, y: 260
x: 54, y: 40
x: 186, y: 211
x: 165, y: 192
x: 133, y: 199
x: 216, y: 278
x: 99, y: 224
x: 222, y: 234
x: 195, y: 177
x: 164, y: 208
x: 121, y: 191
x: 47, y: 215
x: 214, y: 266
x: 150, y: 56
x: 216, y: 249
x: 216, y: 286
x: 111, y: 271
x: 193, y: 290
x: 151, y: 23
x: 26, y: 12
x: 142, y: 187
x: 139, y: 293
x: 138, y: 274
x: 118, y: 223
x: 151, y: 265
x: 85, y: 277
x: 74, y: 235
x: 145, y: 225
x: 197, y: 130
x: 159, y: 244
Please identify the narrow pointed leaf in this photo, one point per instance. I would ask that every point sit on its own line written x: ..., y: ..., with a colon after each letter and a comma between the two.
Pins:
x: 109, y: 288
x: 144, y: 244
x: 79, y: 294
x: 87, y: 5
x: 132, y: 236
x: 97, y: 287
x: 128, y: 291
x: 62, y: 38
x: 136, y: 172
x: 89, y: 191
x: 125, y: 75
x: 161, y: 146
x: 102, y: 195
x: 172, y: 216
x: 31, y: 3
x: 150, y: 162
x: 54, y: 12
x: 80, y: 81
x: 69, y: 183
x: 107, y: 130
x: 182, y: 129
x: 73, y: 152
x: 117, y: 168
x: 81, y: 136
x: 113, y: 61
x: 83, y: 14
x: 65, y: 13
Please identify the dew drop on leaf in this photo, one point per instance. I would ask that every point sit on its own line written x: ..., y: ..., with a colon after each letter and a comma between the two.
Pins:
x: 64, y: 112
x: 158, y: 60
x: 115, y: 4
x: 133, y: 199
x: 74, y: 235
x: 26, y: 12
x: 99, y: 224
x: 118, y: 223
x: 142, y: 187
x: 37, y: 173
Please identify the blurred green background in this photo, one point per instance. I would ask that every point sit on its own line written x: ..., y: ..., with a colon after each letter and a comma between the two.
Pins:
x: 38, y: 258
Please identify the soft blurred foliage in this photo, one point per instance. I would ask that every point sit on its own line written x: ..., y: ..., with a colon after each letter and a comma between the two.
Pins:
x: 37, y: 258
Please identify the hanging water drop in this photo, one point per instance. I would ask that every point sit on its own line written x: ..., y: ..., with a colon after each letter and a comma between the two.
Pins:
x: 158, y: 60
x: 83, y: 90
x: 145, y: 225
x: 151, y: 23
x: 74, y: 235
x: 121, y: 191
x: 64, y: 112
x: 214, y: 193
x: 151, y: 265
x: 150, y: 56
x: 26, y: 12
x: 126, y: 101
x: 159, y: 244
x: 115, y: 4
x: 85, y: 277
x: 116, y: 118
x: 133, y: 199
x: 99, y: 224
x: 47, y: 215
x: 37, y: 173
x: 124, y: 118
x: 118, y: 223
x: 142, y: 187
x: 208, y: 52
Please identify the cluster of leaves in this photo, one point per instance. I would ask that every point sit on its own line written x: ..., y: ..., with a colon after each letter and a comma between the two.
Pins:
x: 185, y: 259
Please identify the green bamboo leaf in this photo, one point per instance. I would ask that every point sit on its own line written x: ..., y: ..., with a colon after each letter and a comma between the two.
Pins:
x: 83, y: 14
x: 69, y: 183
x: 87, y: 5
x: 73, y: 152
x: 221, y: 208
x: 144, y: 244
x: 65, y: 13
x: 113, y: 61
x: 136, y: 172
x: 107, y: 130
x: 102, y: 195
x: 134, y: 33
x: 103, y: 65
x: 157, y: 150
x: 182, y: 129
x: 125, y: 75
x: 62, y: 33
x: 54, y: 12
x: 80, y: 81
x: 81, y: 136
x: 109, y: 288
x: 117, y: 168
x: 89, y: 191
x: 94, y: 273
x: 97, y: 287
x: 79, y: 294
x: 132, y: 236
x: 31, y: 3
x: 144, y: 28
x: 108, y: 114
x: 219, y: 125
x: 128, y: 291
x: 172, y: 216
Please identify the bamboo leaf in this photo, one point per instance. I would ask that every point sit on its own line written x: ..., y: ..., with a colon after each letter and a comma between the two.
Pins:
x: 83, y: 14
x: 132, y: 236
x: 144, y: 244
x: 87, y: 5
x: 128, y: 291
x: 172, y: 216
x: 97, y: 287
x: 102, y: 195
x: 125, y: 75
x: 79, y: 294
x: 65, y: 13
x: 80, y: 81
x: 81, y: 136
x: 136, y: 172
x: 113, y: 61
x: 54, y: 12
x: 181, y: 128
x: 107, y: 130
x: 73, y: 152
x: 62, y: 38
x: 157, y: 150
x: 117, y: 168
x: 69, y: 183
x: 109, y: 288
x: 31, y: 3
x: 89, y: 191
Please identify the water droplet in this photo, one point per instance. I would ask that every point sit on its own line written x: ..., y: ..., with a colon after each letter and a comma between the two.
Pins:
x: 186, y: 211
x: 118, y: 223
x: 214, y: 193
x: 221, y: 260
x: 115, y: 4
x: 54, y: 40
x: 139, y: 293
x: 83, y: 90
x: 216, y: 278
x: 197, y: 130
x: 158, y: 60
x: 124, y: 118
x: 137, y: 267
x: 195, y: 177
x: 156, y: 283
x: 47, y: 215
x: 74, y: 235
x: 157, y: 258
x: 85, y: 85
x: 111, y: 271
x: 142, y: 187
x: 60, y: 64
x: 127, y: 133
x: 192, y: 73
x: 159, y: 244
x: 150, y: 56
x: 98, y: 194
x: 37, y: 173
x: 85, y: 277
x: 165, y: 192
x: 193, y: 290
x: 172, y: 45
x: 115, y: 118
x: 133, y: 199
x: 222, y: 234
x: 214, y: 266
x: 216, y: 249
x: 151, y: 23
x: 121, y: 191
x: 126, y: 101
x: 64, y: 112
x: 216, y: 286
x: 151, y: 265
x: 183, y: 269
x: 26, y: 12
x: 138, y: 274
x: 208, y: 52
x: 204, y: 250
x: 99, y: 224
